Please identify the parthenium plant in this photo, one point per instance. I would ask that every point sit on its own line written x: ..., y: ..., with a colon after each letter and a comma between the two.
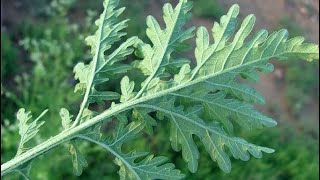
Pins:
x: 202, y: 99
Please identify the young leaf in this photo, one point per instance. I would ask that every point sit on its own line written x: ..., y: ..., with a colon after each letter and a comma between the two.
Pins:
x: 81, y: 72
x: 127, y: 87
x: 27, y: 130
x: 165, y: 42
x: 65, y: 117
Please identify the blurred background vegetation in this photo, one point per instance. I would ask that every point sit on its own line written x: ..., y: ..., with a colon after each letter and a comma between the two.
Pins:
x: 41, y: 41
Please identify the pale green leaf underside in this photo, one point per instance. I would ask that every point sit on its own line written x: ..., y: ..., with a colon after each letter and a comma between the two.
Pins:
x: 66, y: 118
x: 104, y: 66
x: 157, y: 58
x: 212, y: 85
x: 203, y: 100
x: 214, y: 101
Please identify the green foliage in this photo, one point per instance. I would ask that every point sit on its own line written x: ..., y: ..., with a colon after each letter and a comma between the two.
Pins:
x: 54, y: 45
x: 8, y: 69
x: 136, y: 12
x: 8, y: 56
x: 294, y: 28
x: 208, y: 8
x: 202, y: 101
x: 301, y: 89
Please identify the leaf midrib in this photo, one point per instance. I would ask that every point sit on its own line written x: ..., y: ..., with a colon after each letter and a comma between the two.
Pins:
x: 114, y: 54
x: 234, y: 87
x: 167, y: 43
x: 93, y: 69
x: 194, y: 122
x: 238, y: 111
x: 217, y: 43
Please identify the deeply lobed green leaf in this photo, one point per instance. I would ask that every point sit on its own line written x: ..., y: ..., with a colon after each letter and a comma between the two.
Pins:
x: 212, y: 85
x: 206, y: 100
x: 203, y: 100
